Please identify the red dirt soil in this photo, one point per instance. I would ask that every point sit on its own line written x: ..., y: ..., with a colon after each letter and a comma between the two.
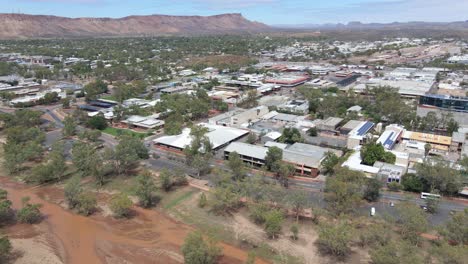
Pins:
x: 148, y: 237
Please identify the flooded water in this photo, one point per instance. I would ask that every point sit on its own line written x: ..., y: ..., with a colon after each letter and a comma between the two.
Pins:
x: 149, y: 237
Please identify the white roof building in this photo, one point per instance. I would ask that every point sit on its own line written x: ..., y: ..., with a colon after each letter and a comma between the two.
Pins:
x: 219, y: 137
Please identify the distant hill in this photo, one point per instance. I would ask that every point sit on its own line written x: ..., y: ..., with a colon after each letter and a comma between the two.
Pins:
x: 21, y: 26
x: 458, y: 25
x: 375, y: 31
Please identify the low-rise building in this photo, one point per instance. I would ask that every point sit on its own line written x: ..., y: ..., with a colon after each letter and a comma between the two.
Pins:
x: 330, y: 124
x: 219, y: 136
x: 143, y: 122
x: 357, y: 136
x: 306, y: 158
x: 392, y: 135
x: 295, y: 106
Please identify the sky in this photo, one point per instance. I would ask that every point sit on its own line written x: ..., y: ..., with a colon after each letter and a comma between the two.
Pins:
x: 272, y: 12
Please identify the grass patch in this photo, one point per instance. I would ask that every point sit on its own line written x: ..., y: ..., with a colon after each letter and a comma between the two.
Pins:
x: 109, y: 97
x: 178, y: 199
x: 117, y: 132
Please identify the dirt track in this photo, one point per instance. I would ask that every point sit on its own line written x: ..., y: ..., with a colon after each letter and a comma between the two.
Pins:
x: 149, y: 237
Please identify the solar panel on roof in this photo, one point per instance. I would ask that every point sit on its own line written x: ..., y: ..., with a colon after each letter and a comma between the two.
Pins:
x: 389, y: 142
x: 363, y: 130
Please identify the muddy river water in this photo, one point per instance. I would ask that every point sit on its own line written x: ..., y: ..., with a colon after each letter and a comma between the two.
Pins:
x: 148, y: 237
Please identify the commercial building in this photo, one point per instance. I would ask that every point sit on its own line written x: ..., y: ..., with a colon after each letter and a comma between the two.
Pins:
x: 295, y: 106
x: 240, y: 117
x: 219, y: 136
x: 391, y: 135
x: 143, y: 122
x: 287, y: 80
x: 330, y: 124
x: 357, y: 136
x: 306, y: 158
x: 438, y: 142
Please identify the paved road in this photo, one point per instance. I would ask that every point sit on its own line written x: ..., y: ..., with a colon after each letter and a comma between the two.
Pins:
x: 315, y: 188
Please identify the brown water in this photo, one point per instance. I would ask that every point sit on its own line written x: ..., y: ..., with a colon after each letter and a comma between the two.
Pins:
x: 149, y: 237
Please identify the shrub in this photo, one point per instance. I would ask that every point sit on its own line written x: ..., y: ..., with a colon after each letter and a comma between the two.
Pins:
x: 121, y: 205
x: 87, y: 203
x: 202, y: 202
x: 30, y: 213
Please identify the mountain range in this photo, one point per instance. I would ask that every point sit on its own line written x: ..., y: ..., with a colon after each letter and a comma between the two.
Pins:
x: 21, y: 26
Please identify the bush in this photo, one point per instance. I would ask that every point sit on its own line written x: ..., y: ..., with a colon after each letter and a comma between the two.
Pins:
x: 335, y: 239
x: 197, y: 250
x: 412, y: 183
x: 72, y: 191
x: 97, y: 122
x: 30, y: 213
x: 87, y: 204
x: 394, y: 186
x: 5, y: 248
x: 121, y: 205
x: 273, y: 221
x: 202, y: 202
x: 146, y: 190
x: 295, y: 231
x: 258, y: 212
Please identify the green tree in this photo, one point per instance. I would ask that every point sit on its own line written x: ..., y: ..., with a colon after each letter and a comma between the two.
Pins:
x: 284, y: 171
x: 330, y: 161
x: 427, y: 149
x: 447, y: 254
x: 199, y: 153
x: 128, y: 153
x: 202, y: 201
x: 165, y: 180
x: 69, y: 128
x: 412, y: 183
x: 197, y: 250
x: 225, y: 200
x: 394, y: 186
x: 335, y: 239
x: 295, y: 231
x: 236, y: 165
x: 87, y: 203
x: 439, y: 175
x: 53, y: 169
x: 456, y: 230
x: 97, y: 122
x: 298, y: 201
x: 372, y: 190
x: 72, y: 191
x: 395, y: 252
x: 5, y: 248
x: 29, y: 213
x: 92, y: 90
x: 372, y: 152
x: 252, y: 138
x: 146, y: 190
x: 452, y: 126
x: 412, y: 221
x: 258, y: 212
x: 121, y: 205
x: 312, y: 132
x: 432, y: 204
x: 6, y: 212
x: 273, y: 222
x: 343, y: 191
x: 274, y: 155
x: 173, y: 124
x: 291, y: 135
